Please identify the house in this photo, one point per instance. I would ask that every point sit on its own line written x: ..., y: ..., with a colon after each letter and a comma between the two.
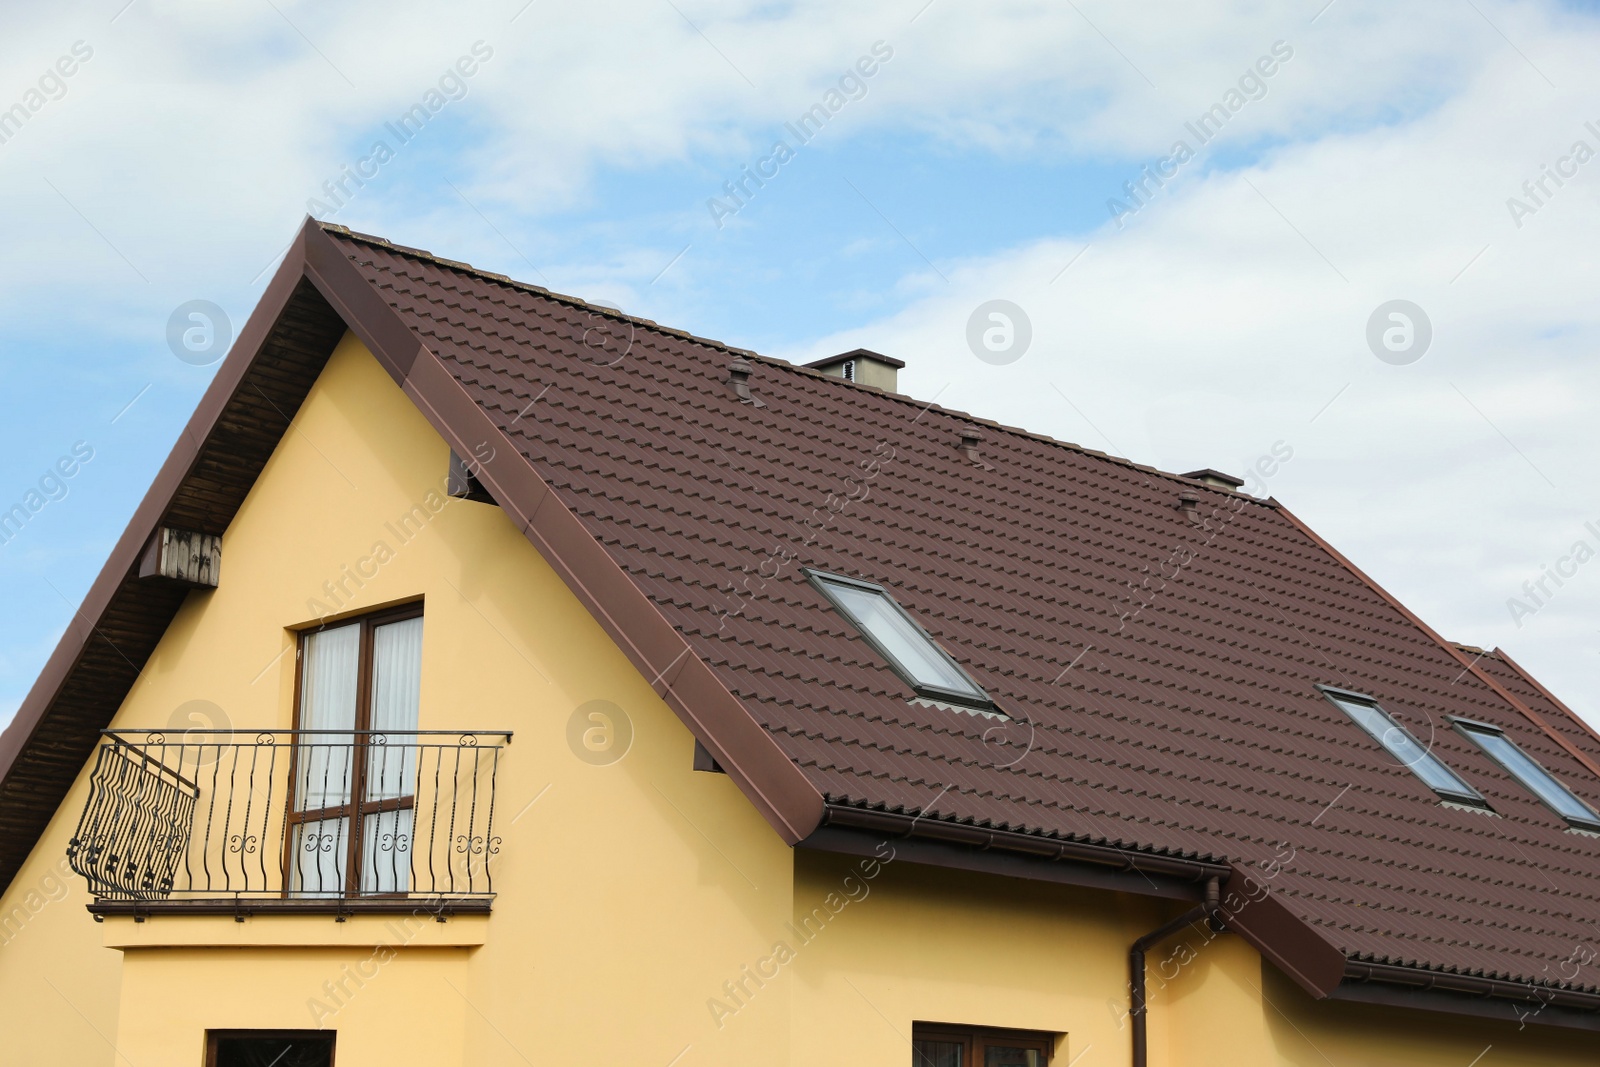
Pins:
x: 493, y: 678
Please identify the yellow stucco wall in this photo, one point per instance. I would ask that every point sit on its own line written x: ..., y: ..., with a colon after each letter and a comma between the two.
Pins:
x: 58, y: 987
x: 642, y: 905
x: 922, y: 944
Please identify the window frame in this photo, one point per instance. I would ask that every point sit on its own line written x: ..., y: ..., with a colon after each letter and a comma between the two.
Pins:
x: 1471, y: 728
x: 215, y: 1037
x: 975, y: 1040
x: 356, y: 808
x: 1472, y: 798
x: 981, y: 702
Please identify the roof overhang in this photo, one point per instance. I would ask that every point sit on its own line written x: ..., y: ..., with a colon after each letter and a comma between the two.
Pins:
x: 239, y: 421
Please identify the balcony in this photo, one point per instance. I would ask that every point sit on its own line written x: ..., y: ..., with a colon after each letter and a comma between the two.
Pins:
x: 244, y: 822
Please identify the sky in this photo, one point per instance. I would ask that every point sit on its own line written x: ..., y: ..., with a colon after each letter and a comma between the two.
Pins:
x: 1352, y: 244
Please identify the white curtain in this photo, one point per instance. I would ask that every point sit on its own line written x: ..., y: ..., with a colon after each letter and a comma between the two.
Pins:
x: 327, y: 702
x: 396, y: 687
x: 392, y: 758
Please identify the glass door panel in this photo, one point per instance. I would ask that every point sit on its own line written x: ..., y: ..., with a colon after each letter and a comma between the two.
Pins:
x: 396, y: 684
x: 386, y: 852
x: 1001, y: 1056
x: 930, y: 1053
x: 317, y: 857
x: 330, y: 663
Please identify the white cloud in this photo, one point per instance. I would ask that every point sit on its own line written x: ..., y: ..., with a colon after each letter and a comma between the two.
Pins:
x: 1214, y: 325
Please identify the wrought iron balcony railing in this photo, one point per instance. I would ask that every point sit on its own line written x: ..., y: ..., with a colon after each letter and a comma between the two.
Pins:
x: 248, y: 820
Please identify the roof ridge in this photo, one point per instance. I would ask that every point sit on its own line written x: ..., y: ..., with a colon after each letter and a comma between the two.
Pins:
x: 1471, y: 666
x: 1583, y: 724
x: 925, y: 405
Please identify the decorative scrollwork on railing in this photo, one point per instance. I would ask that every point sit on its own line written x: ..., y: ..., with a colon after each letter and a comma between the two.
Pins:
x: 315, y: 842
x: 394, y: 842
x: 155, y: 737
x: 242, y: 844
x: 265, y: 738
x: 468, y: 741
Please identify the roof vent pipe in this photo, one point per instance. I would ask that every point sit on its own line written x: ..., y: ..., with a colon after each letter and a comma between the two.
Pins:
x: 1138, y: 1006
x: 739, y: 377
x: 969, y: 448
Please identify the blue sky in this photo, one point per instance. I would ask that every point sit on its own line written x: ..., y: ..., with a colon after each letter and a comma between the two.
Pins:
x: 1227, y: 316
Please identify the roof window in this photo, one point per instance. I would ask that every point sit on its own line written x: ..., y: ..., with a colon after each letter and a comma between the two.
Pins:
x: 1527, y: 770
x: 1399, y: 743
x: 895, y: 635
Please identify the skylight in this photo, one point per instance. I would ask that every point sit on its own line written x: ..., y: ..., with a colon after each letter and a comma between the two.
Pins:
x: 1399, y: 743
x: 896, y: 637
x: 1525, y: 769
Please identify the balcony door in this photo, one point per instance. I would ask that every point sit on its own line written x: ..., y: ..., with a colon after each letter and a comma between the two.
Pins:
x: 352, y: 799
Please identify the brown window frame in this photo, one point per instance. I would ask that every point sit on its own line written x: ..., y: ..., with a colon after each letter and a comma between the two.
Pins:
x: 975, y: 1040
x: 215, y: 1036
x: 353, y: 809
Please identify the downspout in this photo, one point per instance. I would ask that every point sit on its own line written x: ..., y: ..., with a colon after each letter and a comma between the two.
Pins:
x: 1137, y: 1004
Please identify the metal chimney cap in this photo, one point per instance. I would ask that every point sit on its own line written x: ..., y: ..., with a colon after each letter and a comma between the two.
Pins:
x: 862, y: 366
x: 857, y: 353
x: 1215, y: 479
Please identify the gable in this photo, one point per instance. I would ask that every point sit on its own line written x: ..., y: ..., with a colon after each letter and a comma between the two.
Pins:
x: 347, y: 515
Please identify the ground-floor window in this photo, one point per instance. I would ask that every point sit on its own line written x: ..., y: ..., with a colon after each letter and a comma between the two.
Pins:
x: 937, y: 1045
x: 269, y: 1048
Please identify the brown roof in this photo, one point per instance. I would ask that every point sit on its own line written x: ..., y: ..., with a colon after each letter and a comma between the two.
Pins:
x: 1159, y: 664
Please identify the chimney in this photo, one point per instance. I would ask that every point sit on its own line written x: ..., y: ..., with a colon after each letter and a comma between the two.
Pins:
x: 862, y: 366
x: 1215, y: 479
